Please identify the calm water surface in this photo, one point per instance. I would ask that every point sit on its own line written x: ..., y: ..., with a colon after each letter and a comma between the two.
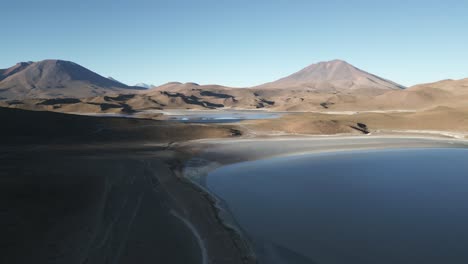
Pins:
x: 227, y: 116
x: 387, y: 206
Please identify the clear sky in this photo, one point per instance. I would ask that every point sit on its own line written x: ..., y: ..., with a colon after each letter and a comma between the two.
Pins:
x: 239, y: 42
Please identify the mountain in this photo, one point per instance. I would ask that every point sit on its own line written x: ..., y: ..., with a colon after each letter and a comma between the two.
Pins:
x: 115, y: 80
x: 56, y: 79
x: 336, y: 75
x: 4, y: 73
x: 145, y: 85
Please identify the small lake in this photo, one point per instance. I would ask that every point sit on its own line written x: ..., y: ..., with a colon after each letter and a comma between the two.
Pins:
x: 213, y: 116
x: 367, y: 207
x: 199, y: 116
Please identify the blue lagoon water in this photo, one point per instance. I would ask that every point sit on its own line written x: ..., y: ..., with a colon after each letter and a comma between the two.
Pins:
x: 382, y: 206
x: 227, y: 116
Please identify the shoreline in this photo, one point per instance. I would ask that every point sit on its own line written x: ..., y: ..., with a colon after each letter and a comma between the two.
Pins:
x: 219, y: 243
x: 232, y: 150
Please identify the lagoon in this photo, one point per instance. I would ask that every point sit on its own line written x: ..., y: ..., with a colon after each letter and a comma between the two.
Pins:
x: 368, y: 206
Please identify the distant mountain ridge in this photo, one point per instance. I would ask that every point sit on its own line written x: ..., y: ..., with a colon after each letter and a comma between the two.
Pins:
x: 145, y: 85
x: 333, y: 75
x: 325, y: 86
x: 55, y: 79
x: 60, y: 79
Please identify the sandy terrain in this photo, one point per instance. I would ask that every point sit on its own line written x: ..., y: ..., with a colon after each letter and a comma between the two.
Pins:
x: 445, y: 120
x: 107, y: 206
x: 89, y: 207
x: 106, y: 190
x: 209, y: 97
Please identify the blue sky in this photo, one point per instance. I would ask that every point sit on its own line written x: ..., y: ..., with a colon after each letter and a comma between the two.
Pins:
x: 239, y: 42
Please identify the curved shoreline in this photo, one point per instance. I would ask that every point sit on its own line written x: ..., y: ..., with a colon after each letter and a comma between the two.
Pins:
x: 217, y: 152
x: 226, y: 219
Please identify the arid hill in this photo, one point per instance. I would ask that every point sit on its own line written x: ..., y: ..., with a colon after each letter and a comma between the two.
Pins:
x: 449, y: 93
x: 318, y: 87
x: 56, y: 79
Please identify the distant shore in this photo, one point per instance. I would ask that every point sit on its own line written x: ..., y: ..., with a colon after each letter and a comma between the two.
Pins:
x: 243, y: 149
x: 209, y: 154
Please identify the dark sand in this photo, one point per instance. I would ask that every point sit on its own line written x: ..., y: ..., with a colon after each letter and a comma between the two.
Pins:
x: 62, y: 207
x: 71, y: 194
